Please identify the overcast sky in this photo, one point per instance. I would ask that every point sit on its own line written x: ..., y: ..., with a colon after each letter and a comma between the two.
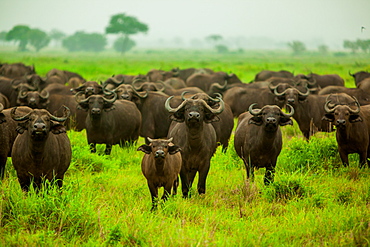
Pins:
x: 329, y: 21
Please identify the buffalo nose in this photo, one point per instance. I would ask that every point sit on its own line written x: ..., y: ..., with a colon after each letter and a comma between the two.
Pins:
x: 124, y: 96
x: 341, y: 121
x: 271, y: 120
x: 290, y: 100
x: 95, y: 111
x: 194, y: 114
x: 39, y: 126
x: 159, y: 153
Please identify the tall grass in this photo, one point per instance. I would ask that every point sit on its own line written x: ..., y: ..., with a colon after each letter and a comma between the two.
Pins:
x: 105, y: 200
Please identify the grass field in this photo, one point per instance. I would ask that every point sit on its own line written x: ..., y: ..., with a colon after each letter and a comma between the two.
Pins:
x: 105, y: 200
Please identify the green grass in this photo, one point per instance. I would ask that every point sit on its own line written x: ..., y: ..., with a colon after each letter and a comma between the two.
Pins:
x: 105, y: 200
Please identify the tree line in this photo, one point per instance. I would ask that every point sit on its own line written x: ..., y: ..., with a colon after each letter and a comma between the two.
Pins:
x: 120, y: 24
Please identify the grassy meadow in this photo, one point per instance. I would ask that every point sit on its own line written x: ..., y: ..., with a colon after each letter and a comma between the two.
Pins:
x: 105, y: 200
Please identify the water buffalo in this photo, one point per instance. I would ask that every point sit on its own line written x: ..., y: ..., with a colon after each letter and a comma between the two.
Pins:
x: 161, y: 166
x: 192, y: 132
x: 11, y: 88
x: 8, y: 134
x: 266, y: 74
x: 352, y: 129
x: 359, y: 76
x: 16, y: 70
x: 325, y: 80
x: 240, y: 98
x: 361, y: 95
x: 42, y: 149
x: 224, y: 125
x: 258, y: 139
x: 110, y: 121
x: 204, y: 81
x: 65, y: 75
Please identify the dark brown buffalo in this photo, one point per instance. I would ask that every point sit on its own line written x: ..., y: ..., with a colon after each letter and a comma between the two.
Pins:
x: 8, y: 134
x: 184, y: 74
x: 240, y: 98
x: 42, y: 149
x: 352, y: 129
x: 161, y: 166
x: 142, y: 86
x: 362, y: 96
x: 365, y: 85
x: 204, y: 81
x: 266, y: 74
x: 65, y: 75
x: 258, y: 140
x: 359, y: 76
x: 56, y: 88
x: 224, y: 125
x: 155, y: 118
x: 4, y: 101
x: 309, y: 109
x: 110, y: 121
x: 325, y: 80
x: 33, y: 99
x: 192, y: 132
x: 89, y: 88
x: 171, y: 91
x: 175, y: 83
x: 16, y: 70
x: 117, y: 80
x: 10, y: 88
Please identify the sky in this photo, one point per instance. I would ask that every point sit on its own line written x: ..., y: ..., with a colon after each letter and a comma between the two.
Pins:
x: 317, y: 21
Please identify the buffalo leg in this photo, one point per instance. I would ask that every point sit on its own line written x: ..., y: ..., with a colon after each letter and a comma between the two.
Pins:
x: 167, y: 190
x: 108, y: 149
x: 175, y: 185
x: 269, y: 175
x: 2, y: 167
x: 154, y: 194
x: 92, y: 147
x: 344, y: 158
x: 184, y: 182
x: 202, y: 179
x: 363, y: 159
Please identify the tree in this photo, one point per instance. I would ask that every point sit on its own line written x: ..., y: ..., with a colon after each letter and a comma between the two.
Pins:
x: 81, y: 41
x: 214, y: 38
x: 3, y: 36
x: 353, y: 46
x: 297, y: 46
x: 123, y: 44
x: 126, y: 26
x: 364, y: 45
x: 57, y: 35
x: 38, y: 39
x: 323, y: 49
x: 19, y: 33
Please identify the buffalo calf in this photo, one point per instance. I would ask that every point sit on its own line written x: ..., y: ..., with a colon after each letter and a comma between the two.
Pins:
x: 161, y: 166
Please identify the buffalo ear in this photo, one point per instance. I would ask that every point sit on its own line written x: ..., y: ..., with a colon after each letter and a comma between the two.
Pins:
x: 355, y: 118
x: 210, y: 117
x: 173, y: 149
x: 57, y: 128
x: 328, y: 117
x: 255, y: 120
x: 22, y: 126
x: 2, y: 118
x: 145, y: 148
x: 178, y: 116
x: 83, y: 106
x: 285, y: 121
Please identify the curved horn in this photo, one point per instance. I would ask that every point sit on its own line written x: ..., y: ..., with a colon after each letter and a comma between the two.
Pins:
x: 134, y: 84
x: 139, y: 94
x: 279, y: 94
x: 1, y: 107
x: 349, y: 72
x: 291, y: 111
x: 357, y: 111
x: 81, y: 101
x: 28, y: 86
x: 111, y: 101
x: 182, y: 95
x: 173, y: 110
x: 327, y: 109
x: 22, y: 94
x: 272, y: 88
x: 149, y: 139
x: 66, y: 114
x: 46, y: 95
x: 163, y: 86
x: 254, y: 112
x: 219, y: 86
x: 215, y: 111
x: 304, y: 94
x: 22, y: 118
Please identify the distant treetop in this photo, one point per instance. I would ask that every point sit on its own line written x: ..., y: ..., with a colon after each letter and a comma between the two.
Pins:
x: 127, y: 25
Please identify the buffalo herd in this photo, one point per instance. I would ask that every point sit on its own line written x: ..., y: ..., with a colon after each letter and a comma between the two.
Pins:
x: 183, y: 114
